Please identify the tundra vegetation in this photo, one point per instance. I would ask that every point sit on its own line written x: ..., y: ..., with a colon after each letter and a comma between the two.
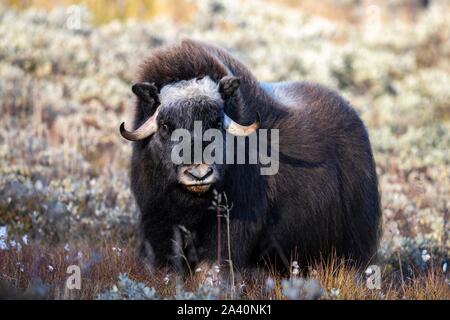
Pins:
x: 64, y: 188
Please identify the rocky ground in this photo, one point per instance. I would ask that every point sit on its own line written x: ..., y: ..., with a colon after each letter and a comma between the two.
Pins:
x: 65, y: 88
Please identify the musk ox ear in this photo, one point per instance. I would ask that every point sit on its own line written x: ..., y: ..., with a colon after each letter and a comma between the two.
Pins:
x: 228, y: 86
x: 147, y: 94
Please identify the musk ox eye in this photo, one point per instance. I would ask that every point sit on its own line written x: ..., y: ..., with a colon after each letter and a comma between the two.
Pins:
x: 165, y: 127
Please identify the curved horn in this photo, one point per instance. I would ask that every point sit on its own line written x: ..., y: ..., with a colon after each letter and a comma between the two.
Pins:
x: 239, y: 130
x: 148, y: 128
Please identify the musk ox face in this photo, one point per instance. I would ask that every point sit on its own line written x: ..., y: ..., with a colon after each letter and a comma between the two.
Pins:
x: 192, y: 107
x: 182, y: 104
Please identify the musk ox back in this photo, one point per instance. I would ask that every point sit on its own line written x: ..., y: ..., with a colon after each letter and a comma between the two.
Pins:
x: 322, y: 200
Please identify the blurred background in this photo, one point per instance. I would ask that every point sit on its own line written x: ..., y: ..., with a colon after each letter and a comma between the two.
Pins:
x: 65, y: 73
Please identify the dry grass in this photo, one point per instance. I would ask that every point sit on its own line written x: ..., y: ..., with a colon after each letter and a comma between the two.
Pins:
x: 41, y: 271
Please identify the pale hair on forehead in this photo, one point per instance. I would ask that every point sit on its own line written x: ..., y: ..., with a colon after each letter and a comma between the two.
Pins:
x: 188, y: 89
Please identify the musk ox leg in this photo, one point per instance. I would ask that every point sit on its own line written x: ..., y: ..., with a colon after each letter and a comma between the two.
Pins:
x: 175, y: 249
x: 184, y: 254
x: 156, y: 249
x: 147, y: 254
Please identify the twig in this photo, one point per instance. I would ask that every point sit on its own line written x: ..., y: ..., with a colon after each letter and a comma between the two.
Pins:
x: 445, y: 225
x: 401, y: 273
x: 219, y: 231
x: 230, y: 261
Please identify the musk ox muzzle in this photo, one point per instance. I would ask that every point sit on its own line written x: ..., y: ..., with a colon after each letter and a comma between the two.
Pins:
x: 197, y: 178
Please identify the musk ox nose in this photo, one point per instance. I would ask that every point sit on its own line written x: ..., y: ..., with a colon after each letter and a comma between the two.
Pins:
x: 199, y: 172
x: 197, y: 178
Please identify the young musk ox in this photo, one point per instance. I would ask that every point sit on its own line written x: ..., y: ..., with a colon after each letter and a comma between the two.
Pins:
x: 323, y: 201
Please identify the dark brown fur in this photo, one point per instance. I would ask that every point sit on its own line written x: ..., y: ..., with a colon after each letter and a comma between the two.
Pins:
x: 324, y: 198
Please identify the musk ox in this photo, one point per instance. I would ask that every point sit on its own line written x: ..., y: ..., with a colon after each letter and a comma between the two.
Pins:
x: 323, y: 200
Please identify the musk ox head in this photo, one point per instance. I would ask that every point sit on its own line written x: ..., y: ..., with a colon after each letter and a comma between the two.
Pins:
x: 185, y: 105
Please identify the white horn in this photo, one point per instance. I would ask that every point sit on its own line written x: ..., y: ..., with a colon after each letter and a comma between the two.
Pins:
x: 236, y: 129
x: 148, y: 128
